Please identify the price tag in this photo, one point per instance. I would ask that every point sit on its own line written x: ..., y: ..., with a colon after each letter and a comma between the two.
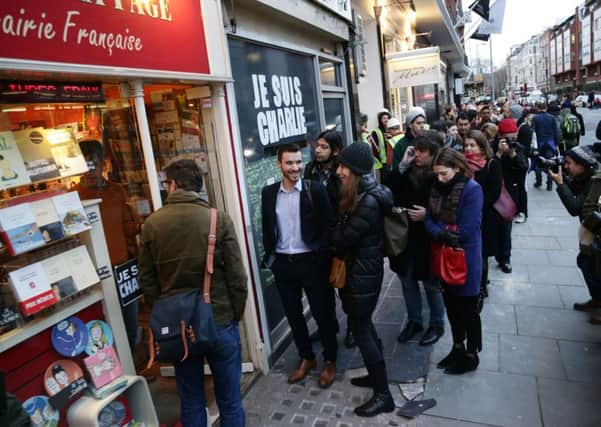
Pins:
x: 93, y: 217
x: 103, y: 272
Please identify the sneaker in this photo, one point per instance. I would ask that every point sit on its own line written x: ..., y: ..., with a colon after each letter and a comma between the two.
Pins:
x: 520, y: 218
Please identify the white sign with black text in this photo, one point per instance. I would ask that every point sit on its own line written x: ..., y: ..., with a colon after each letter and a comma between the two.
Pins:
x: 413, y: 68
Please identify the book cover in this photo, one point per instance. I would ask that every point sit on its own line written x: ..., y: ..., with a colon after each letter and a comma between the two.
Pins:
x: 82, y: 269
x: 19, y: 229
x: 36, y: 153
x: 104, y: 366
x: 66, y: 152
x: 12, y: 167
x: 31, y: 288
x: 47, y: 220
x: 71, y: 213
x: 59, y: 275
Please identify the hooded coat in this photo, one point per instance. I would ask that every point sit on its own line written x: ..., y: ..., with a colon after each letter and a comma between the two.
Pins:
x: 360, y: 239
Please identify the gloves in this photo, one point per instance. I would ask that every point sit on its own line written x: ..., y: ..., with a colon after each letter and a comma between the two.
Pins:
x: 450, y: 238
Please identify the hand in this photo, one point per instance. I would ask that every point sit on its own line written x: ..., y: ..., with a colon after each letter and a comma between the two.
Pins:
x: 450, y: 238
x: 409, y: 155
x: 557, y: 177
x: 417, y: 214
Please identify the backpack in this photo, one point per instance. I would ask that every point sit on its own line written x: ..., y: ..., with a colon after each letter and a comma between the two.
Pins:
x: 571, y: 127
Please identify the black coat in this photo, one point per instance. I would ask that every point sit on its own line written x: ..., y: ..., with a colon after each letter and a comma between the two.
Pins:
x: 316, y: 215
x: 514, y: 173
x: 360, y: 238
x: 407, y: 193
x: 330, y: 180
x: 490, y: 178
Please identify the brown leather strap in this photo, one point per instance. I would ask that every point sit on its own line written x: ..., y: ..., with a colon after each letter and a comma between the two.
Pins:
x: 210, y: 254
x: 151, y: 348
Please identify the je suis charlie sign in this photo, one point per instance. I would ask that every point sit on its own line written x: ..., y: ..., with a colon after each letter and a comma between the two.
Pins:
x: 161, y: 35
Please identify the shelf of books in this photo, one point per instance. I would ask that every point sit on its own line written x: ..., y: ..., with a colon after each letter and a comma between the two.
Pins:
x: 55, y: 272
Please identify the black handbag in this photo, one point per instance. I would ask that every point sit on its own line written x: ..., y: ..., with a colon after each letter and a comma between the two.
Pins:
x: 396, y: 232
x: 182, y: 325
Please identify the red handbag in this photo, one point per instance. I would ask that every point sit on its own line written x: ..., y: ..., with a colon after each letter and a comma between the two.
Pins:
x: 505, y: 206
x: 448, y: 263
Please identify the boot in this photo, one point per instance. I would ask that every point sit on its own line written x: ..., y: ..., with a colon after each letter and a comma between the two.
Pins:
x: 463, y: 364
x: 364, y: 381
x: 451, y: 358
x: 382, y: 400
x: 349, y: 340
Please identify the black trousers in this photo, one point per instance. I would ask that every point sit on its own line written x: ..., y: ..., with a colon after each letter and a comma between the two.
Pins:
x: 296, y: 273
x: 465, y: 320
x: 504, y: 243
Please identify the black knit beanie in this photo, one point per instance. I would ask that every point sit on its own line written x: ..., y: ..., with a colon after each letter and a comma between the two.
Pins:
x: 582, y: 155
x: 357, y: 157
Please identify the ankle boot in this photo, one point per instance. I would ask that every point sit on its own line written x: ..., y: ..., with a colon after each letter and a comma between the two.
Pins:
x: 451, y: 358
x: 463, y: 364
x: 349, y: 340
x: 382, y: 400
x: 364, y: 381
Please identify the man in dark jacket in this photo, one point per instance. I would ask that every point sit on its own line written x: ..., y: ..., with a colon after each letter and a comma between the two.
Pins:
x: 297, y: 221
x: 415, y: 122
x: 574, y: 190
x: 411, y: 186
x: 172, y: 253
x: 546, y: 128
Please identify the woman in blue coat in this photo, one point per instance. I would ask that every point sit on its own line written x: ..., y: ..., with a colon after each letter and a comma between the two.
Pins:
x: 456, y: 199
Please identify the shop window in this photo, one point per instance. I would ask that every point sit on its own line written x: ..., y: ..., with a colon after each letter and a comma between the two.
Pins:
x: 334, y: 115
x: 329, y: 73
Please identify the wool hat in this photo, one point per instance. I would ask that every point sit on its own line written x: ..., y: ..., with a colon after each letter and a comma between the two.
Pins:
x: 516, y: 111
x: 582, y: 155
x: 357, y: 157
x: 508, y: 126
x: 393, y: 123
x: 413, y: 114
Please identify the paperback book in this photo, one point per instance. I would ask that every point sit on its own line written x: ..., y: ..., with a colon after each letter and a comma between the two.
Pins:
x: 31, y: 288
x: 19, y: 230
x: 59, y: 275
x: 104, y: 366
x: 71, y: 213
x: 12, y: 167
x: 47, y: 220
x: 37, y: 155
x: 82, y: 269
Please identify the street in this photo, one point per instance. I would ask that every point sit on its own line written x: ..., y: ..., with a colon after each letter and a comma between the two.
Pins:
x: 541, y: 359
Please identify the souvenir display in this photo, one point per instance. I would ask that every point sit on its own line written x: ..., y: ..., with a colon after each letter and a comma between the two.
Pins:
x: 60, y: 374
x: 41, y: 412
x: 99, y: 336
x: 70, y: 337
x: 113, y: 415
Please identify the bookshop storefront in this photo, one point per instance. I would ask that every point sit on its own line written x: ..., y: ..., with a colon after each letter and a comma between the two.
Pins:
x: 104, y: 73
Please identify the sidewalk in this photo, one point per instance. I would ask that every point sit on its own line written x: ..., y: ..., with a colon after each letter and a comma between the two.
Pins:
x: 540, y: 365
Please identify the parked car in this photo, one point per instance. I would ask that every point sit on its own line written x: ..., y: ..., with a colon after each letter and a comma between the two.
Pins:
x: 581, y: 101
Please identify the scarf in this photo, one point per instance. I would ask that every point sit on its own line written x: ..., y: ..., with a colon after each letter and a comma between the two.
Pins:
x: 475, y: 161
x: 444, y: 199
x: 418, y: 177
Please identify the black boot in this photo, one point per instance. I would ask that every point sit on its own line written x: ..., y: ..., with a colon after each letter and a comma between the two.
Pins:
x: 409, y: 331
x: 349, y: 340
x: 382, y: 400
x: 364, y: 381
x: 463, y: 364
x: 449, y: 360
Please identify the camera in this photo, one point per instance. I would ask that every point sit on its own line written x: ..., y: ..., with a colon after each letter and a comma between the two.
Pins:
x: 513, y: 143
x: 553, y: 163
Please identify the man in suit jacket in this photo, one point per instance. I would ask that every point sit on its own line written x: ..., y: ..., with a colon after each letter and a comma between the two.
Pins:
x: 297, y: 219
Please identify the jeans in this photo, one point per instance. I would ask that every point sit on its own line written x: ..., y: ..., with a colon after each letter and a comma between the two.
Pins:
x: 225, y: 360
x: 292, y: 276
x: 586, y: 263
x: 413, y: 299
x: 547, y: 152
x: 370, y: 347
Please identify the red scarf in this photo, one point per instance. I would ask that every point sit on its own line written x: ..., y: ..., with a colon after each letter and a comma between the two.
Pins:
x: 475, y: 161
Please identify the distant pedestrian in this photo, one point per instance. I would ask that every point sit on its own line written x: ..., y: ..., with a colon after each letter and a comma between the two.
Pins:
x: 546, y: 128
x: 379, y: 139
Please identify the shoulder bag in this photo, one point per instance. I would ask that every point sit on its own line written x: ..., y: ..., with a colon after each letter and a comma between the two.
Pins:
x: 505, y: 206
x: 396, y: 232
x: 182, y: 325
x: 338, y: 273
x: 448, y: 263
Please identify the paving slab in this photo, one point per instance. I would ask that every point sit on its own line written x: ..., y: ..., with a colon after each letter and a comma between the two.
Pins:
x: 529, y: 256
x: 572, y: 294
x: 565, y: 403
x: 520, y: 273
x: 390, y: 310
x: 536, y: 242
x: 567, y: 242
x: 524, y: 294
x: 499, y: 318
x: 531, y: 356
x: 432, y: 421
x: 489, y: 357
x: 562, y: 324
x: 485, y: 397
x: 553, y: 275
x: 582, y: 361
x: 566, y: 257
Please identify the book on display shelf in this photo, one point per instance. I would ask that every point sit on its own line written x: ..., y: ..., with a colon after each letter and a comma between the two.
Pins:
x: 71, y: 213
x: 12, y: 167
x: 82, y: 269
x: 104, y: 366
x: 19, y: 229
x: 31, y: 288
x: 37, y: 154
x: 59, y: 275
x: 47, y: 219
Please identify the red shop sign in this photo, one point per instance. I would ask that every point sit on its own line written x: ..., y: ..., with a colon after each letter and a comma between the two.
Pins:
x: 165, y: 35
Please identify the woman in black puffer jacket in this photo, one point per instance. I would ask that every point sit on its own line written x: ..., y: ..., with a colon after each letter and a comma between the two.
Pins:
x: 358, y: 238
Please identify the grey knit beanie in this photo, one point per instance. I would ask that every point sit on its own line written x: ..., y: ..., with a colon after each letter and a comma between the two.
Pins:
x: 357, y: 157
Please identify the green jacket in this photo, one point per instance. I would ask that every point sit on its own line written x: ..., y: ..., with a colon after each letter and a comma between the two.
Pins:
x: 399, y: 149
x: 172, y: 252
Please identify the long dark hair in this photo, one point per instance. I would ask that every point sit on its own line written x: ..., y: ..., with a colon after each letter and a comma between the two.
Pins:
x: 349, y: 194
x: 452, y: 159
